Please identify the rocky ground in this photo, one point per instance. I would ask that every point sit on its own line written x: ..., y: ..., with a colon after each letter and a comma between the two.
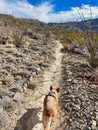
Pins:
x: 31, y: 61
x: 21, y: 71
x: 79, y: 98
x: 25, y: 78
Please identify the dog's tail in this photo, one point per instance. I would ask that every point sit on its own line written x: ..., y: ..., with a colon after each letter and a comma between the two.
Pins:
x: 48, y: 123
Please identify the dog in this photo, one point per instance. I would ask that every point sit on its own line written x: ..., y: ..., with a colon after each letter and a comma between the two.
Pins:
x: 50, y: 107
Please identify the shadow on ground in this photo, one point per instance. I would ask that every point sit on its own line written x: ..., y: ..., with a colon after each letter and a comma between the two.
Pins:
x: 28, y: 120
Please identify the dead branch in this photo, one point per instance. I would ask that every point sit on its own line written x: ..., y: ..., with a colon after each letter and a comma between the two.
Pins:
x: 66, y: 49
x: 91, y: 77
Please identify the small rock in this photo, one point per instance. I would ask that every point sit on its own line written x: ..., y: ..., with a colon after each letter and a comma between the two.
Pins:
x: 75, y: 81
x: 38, y: 69
x: 94, y: 125
x: 87, y: 128
x: 69, y: 80
x: 30, y: 79
x: 77, y: 106
x: 34, y: 73
x: 16, y: 97
x: 1, y: 108
x: 25, y: 85
x: 1, y: 82
x: 97, y: 118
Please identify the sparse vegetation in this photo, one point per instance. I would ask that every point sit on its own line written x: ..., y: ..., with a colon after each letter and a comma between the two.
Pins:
x: 68, y: 37
x: 91, y: 40
x: 17, y: 39
x: 85, y: 39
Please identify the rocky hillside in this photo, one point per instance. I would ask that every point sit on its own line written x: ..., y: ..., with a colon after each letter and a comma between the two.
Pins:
x: 32, y: 59
x: 79, y: 93
x: 25, y: 53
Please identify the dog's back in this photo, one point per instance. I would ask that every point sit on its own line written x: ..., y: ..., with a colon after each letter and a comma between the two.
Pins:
x: 50, y: 107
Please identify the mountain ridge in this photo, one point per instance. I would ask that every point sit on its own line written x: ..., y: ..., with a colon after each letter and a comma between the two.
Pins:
x: 77, y: 26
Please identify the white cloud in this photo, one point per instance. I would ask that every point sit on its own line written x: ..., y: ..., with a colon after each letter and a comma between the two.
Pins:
x: 45, y: 11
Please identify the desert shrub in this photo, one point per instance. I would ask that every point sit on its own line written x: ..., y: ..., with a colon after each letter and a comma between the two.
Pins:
x: 91, y: 42
x: 87, y: 38
x: 72, y: 37
x: 91, y: 39
x: 17, y: 39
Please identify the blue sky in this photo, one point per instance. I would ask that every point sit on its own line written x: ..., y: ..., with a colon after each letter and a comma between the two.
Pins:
x: 50, y: 10
x: 62, y: 5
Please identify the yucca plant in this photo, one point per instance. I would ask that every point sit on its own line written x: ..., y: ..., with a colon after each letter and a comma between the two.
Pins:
x: 90, y: 39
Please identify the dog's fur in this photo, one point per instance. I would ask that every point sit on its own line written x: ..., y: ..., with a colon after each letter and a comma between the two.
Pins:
x: 50, y: 107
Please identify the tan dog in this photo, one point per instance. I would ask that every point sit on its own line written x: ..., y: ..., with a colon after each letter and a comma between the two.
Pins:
x: 50, y: 107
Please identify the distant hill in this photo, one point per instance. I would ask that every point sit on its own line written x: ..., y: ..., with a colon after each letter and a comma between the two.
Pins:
x: 77, y: 26
x: 69, y: 26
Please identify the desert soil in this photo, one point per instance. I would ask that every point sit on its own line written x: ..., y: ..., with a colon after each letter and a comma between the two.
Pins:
x: 31, y: 117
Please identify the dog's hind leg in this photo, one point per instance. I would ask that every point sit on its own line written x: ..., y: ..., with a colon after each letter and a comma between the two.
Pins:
x: 48, y: 123
x: 44, y: 120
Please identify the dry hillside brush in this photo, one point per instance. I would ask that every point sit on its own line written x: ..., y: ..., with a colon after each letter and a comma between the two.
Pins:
x: 85, y: 40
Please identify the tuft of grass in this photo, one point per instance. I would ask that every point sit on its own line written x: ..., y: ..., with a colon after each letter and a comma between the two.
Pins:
x: 17, y: 40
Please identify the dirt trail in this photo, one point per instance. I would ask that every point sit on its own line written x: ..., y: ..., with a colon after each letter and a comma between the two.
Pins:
x: 51, y: 77
x: 33, y: 114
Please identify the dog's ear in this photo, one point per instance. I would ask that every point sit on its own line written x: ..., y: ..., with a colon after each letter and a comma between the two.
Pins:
x: 51, y: 87
x: 58, y: 90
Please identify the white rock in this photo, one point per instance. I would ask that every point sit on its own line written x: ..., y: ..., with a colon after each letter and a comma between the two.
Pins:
x: 1, y: 108
x: 94, y: 125
x: 97, y: 118
x: 16, y: 97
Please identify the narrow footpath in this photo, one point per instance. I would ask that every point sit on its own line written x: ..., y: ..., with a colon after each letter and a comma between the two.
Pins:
x: 51, y: 77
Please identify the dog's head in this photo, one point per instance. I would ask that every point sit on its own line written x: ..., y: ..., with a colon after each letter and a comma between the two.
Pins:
x: 55, y: 91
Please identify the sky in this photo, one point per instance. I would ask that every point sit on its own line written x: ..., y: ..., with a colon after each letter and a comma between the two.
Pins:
x: 55, y: 11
